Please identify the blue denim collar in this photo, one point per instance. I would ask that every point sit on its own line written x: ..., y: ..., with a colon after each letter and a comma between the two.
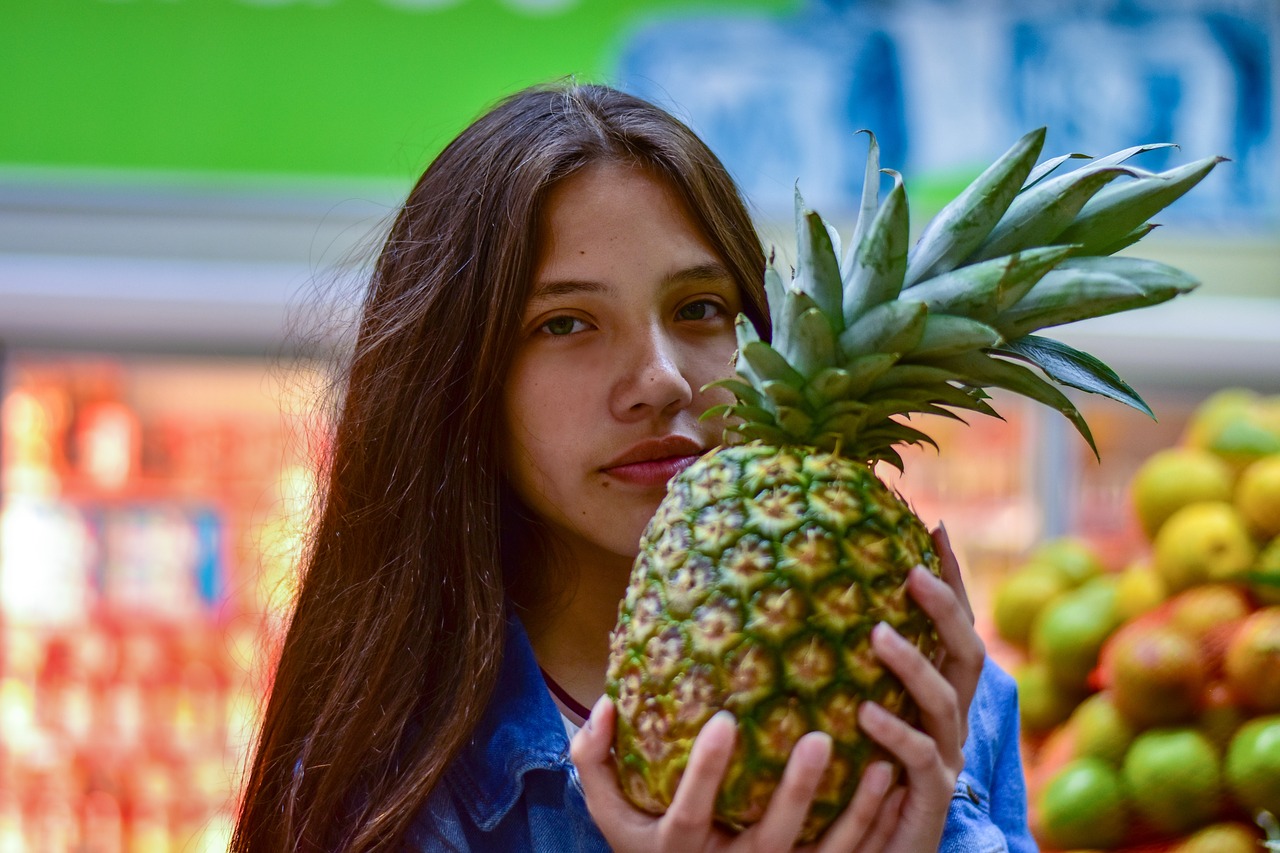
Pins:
x: 520, y: 731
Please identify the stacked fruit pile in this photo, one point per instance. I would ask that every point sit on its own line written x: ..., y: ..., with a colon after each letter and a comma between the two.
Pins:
x: 1151, y: 694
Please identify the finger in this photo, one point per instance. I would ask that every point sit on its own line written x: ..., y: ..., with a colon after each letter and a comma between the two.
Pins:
x: 950, y: 567
x: 695, y: 797
x: 857, y: 819
x: 789, y: 805
x: 589, y: 751
x: 961, y: 664
x: 927, y: 772
x: 936, y: 697
x: 886, y: 821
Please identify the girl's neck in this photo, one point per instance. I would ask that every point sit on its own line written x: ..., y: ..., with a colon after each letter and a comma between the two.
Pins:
x: 571, y: 637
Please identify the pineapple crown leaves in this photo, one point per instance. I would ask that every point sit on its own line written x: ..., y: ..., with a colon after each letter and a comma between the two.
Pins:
x: 894, y: 329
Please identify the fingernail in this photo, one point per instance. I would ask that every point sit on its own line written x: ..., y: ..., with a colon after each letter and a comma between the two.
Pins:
x: 826, y: 747
x: 725, y: 718
x: 880, y: 774
x: 595, y: 709
x: 883, y: 633
x: 871, y: 712
x: 942, y: 528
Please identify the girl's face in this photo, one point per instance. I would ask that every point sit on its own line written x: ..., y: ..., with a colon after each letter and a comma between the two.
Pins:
x: 631, y: 312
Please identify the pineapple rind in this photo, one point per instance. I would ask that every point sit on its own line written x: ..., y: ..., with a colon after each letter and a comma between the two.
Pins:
x: 769, y: 616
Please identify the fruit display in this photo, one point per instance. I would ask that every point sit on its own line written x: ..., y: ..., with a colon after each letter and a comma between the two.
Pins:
x: 771, y: 559
x: 1150, y: 691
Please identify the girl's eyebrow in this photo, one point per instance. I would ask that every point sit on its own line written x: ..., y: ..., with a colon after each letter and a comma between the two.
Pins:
x: 712, y: 271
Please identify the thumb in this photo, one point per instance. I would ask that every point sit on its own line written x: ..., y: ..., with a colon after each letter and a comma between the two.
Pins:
x: 589, y: 751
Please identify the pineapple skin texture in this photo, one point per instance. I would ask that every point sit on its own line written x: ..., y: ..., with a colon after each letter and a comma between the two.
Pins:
x: 757, y: 585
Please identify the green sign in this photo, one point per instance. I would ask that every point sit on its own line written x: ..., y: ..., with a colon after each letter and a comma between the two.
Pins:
x: 334, y: 88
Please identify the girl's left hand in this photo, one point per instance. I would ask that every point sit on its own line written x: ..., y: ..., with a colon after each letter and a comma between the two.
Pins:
x: 912, y: 817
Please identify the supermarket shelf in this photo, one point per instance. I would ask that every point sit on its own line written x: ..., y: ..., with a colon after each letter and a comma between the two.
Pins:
x: 251, y: 267
x: 163, y: 304
x: 1198, y: 340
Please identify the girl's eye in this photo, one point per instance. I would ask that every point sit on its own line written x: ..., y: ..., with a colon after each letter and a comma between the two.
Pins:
x: 561, y: 326
x: 703, y: 309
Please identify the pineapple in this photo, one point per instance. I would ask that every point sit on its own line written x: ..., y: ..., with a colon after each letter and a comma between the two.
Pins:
x: 766, y: 566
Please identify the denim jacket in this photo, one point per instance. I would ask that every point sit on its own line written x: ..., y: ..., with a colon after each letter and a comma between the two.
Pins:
x: 512, y: 789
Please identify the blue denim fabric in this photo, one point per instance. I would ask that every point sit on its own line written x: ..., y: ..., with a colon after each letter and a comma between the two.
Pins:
x: 513, y: 790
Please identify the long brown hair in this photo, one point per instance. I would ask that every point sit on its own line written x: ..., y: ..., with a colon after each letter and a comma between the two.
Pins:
x: 393, y: 647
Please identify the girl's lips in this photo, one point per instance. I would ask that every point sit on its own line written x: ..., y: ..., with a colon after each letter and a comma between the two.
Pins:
x: 651, y: 472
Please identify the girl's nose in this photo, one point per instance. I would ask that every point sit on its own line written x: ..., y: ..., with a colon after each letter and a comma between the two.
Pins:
x: 651, y: 381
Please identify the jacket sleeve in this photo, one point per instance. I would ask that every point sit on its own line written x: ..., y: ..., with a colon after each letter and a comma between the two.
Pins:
x: 989, y: 806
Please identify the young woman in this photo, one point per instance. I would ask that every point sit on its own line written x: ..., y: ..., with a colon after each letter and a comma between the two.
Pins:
x: 549, y: 304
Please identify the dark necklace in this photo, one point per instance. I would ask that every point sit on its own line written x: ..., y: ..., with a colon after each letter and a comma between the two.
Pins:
x: 563, y: 695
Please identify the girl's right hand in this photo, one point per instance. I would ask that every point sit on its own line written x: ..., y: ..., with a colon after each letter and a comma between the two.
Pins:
x: 688, y: 824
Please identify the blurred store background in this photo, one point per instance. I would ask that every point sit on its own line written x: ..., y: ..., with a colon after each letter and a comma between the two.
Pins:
x: 189, y: 190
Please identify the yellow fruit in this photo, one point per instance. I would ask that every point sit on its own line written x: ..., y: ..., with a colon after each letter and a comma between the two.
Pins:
x: 1139, y: 588
x: 1082, y: 805
x: 1257, y: 497
x: 1156, y: 675
x: 1170, y: 479
x: 1208, y: 611
x: 1219, y: 409
x: 1237, y: 426
x: 1252, y: 766
x: 1099, y: 730
x: 1070, y: 555
x: 1226, y: 837
x: 1202, y: 542
x: 1173, y: 777
x: 1252, y: 664
x: 1264, y: 580
x: 1069, y: 633
x: 1041, y: 703
x: 1220, y: 714
x: 1021, y: 597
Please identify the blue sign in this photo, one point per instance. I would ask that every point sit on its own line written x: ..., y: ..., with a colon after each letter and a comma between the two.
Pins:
x: 948, y: 86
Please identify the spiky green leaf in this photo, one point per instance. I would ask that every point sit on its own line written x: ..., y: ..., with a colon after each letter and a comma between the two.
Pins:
x: 908, y: 375
x: 965, y: 222
x: 782, y: 393
x: 775, y: 290
x: 753, y: 414
x: 892, y: 327
x: 1127, y: 240
x: 867, y: 207
x: 947, y: 334
x: 1069, y: 366
x: 984, y: 370
x: 1048, y: 167
x: 830, y: 384
x: 796, y: 423
x: 746, y: 334
x: 787, y: 339
x: 818, y: 272
x: 865, y: 369
x: 766, y: 363
x: 1121, y: 208
x: 1125, y: 153
x: 875, y: 276
x: 762, y: 432
x: 890, y: 432
x: 980, y: 291
x: 814, y: 343
x: 741, y: 391
x: 1080, y: 288
x: 1039, y: 215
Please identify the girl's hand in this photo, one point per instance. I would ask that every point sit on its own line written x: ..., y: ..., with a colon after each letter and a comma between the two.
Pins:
x: 907, y: 817
x: 688, y: 825
x: 912, y: 819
